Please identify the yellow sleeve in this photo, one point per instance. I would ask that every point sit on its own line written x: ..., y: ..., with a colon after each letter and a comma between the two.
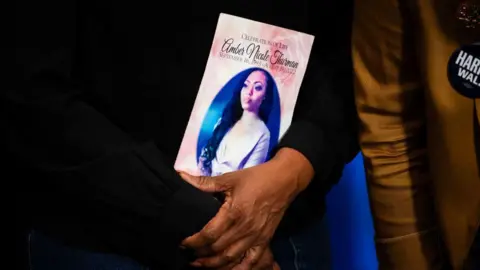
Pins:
x: 390, y: 103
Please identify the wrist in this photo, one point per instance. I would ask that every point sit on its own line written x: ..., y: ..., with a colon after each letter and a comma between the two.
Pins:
x: 295, y: 166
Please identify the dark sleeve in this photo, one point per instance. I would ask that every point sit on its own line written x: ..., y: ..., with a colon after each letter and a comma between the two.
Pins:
x: 324, y: 127
x: 100, y: 173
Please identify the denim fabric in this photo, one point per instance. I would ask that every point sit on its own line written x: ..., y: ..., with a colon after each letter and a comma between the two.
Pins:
x: 307, y: 250
x: 44, y: 253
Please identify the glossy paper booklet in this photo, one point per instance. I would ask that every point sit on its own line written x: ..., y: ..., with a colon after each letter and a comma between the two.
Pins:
x: 246, y: 98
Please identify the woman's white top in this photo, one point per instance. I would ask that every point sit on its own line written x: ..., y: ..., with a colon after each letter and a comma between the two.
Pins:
x: 235, y: 153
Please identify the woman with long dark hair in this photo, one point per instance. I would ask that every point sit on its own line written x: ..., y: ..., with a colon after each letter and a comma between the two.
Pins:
x: 241, y: 138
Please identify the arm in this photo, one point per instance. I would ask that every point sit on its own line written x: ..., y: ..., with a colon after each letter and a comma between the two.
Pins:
x: 391, y: 109
x: 321, y: 139
x: 324, y: 128
x: 260, y: 152
x: 101, y: 175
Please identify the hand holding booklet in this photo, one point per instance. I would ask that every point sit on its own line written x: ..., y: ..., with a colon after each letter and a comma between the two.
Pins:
x: 247, y: 96
x: 243, y: 108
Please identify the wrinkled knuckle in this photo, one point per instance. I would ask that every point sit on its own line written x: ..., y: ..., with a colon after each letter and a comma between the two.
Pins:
x: 221, y: 185
x: 229, y: 257
x: 209, y: 235
x: 202, y: 180
x: 216, y: 248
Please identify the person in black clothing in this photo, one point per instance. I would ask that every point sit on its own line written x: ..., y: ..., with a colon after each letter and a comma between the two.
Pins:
x: 98, y: 108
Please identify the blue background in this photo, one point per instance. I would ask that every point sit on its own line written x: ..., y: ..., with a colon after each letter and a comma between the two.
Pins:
x: 350, y: 222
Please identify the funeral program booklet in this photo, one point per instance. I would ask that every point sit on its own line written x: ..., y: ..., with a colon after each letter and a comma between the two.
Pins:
x: 246, y: 98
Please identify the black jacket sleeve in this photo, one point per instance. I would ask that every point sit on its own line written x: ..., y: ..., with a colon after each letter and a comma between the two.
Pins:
x: 99, y: 172
x: 324, y: 127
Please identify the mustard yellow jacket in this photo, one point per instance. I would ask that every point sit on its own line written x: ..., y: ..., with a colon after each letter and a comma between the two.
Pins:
x: 416, y: 132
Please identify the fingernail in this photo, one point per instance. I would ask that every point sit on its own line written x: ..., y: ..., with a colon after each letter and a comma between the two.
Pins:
x: 183, y: 247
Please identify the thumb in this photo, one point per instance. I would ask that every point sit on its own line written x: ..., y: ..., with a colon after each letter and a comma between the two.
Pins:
x: 204, y: 183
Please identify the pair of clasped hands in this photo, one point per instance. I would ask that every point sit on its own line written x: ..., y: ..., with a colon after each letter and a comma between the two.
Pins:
x: 256, y: 199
